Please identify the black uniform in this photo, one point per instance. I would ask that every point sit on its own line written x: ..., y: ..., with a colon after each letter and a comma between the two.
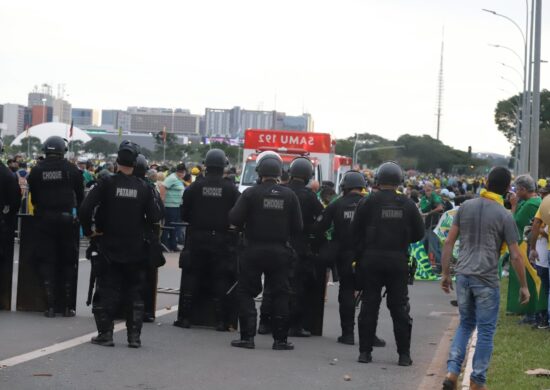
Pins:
x: 271, y: 216
x: 383, y: 227
x: 10, y: 201
x: 205, y: 260
x: 56, y: 187
x: 303, y: 273
x: 125, y: 209
x: 340, y: 213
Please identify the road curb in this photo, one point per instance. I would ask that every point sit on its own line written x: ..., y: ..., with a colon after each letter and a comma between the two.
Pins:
x: 469, y: 361
x: 438, y: 366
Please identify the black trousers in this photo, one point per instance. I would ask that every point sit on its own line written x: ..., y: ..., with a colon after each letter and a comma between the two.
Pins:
x: 56, y: 245
x: 274, y: 261
x: 376, y: 272
x: 119, y: 284
x: 346, y: 292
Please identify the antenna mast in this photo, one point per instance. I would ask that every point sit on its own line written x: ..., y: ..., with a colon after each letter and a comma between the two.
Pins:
x: 440, y: 85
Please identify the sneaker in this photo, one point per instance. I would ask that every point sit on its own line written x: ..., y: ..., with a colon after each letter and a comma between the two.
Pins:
x: 543, y: 326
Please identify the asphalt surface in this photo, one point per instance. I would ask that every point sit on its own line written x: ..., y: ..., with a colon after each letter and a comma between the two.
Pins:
x: 196, y: 359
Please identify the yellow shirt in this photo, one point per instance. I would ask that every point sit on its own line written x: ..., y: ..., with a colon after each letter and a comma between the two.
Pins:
x: 542, y: 225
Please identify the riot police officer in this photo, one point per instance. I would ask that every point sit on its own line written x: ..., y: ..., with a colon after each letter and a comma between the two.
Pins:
x: 271, y: 216
x: 303, y: 271
x: 124, y: 206
x: 301, y: 172
x: 10, y: 200
x: 57, y: 189
x: 339, y: 214
x: 152, y: 234
x: 206, y: 205
x: 383, y: 227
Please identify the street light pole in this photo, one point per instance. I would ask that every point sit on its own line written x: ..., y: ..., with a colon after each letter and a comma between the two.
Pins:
x: 534, y: 160
x: 525, y: 103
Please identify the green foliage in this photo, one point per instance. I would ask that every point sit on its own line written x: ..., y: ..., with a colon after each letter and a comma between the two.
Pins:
x: 100, y: 146
x: 32, y: 144
x: 518, y: 348
x: 423, y: 153
x: 506, y: 113
x: 172, y: 151
x: 76, y: 146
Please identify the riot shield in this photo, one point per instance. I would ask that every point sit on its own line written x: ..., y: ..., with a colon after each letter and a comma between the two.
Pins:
x: 30, y: 287
x: 7, y: 229
x: 203, y: 308
x: 314, y: 308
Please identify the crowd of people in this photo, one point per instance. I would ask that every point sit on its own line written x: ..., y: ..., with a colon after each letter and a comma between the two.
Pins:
x: 289, y: 228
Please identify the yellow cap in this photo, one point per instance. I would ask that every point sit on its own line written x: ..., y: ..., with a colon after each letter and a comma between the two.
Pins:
x: 195, y: 171
x: 542, y: 182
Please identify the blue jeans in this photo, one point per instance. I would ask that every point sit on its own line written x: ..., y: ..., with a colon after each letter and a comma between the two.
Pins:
x: 478, y: 306
x: 169, y: 237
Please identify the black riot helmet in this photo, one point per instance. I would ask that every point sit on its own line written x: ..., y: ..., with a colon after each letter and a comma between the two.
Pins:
x: 55, y: 145
x: 142, y: 165
x: 389, y: 173
x: 302, y: 168
x: 215, y: 158
x: 353, y: 179
x: 269, y: 164
x: 127, y: 154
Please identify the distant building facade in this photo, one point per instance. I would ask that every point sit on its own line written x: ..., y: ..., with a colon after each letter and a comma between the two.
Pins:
x: 41, y: 114
x: 13, y: 117
x: 82, y: 117
x: 154, y: 120
x: 233, y: 122
x: 61, y: 111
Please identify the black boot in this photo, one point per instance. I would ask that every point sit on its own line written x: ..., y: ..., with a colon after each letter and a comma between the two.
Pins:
x: 104, y: 328
x: 347, y: 338
x: 50, y: 299
x: 405, y: 359
x: 148, y: 317
x: 134, y: 323
x: 184, y: 312
x: 378, y: 342
x: 69, y: 311
x: 248, y: 330
x: 365, y: 357
x: 265, y: 324
x: 280, y: 334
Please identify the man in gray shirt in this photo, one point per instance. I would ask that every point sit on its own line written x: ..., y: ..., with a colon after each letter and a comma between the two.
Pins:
x: 484, y: 226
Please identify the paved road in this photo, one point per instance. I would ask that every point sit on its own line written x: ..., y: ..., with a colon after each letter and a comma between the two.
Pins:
x: 174, y: 358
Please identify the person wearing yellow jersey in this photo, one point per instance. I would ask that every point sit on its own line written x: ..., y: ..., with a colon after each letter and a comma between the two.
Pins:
x: 538, y: 256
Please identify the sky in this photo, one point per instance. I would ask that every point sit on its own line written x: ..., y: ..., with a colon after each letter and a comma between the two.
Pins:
x: 355, y: 65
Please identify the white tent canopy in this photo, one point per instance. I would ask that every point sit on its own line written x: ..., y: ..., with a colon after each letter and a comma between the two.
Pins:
x: 45, y: 130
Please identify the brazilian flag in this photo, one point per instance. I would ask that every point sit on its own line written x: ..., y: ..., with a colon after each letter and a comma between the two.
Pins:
x: 533, y: 282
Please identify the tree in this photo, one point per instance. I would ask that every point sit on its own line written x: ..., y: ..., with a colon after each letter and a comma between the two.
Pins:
x: 171, y: 149
x: 32, y: 144
x: 100, y: 146
x: 506, y: 117
x: 76, y: 146
x: 8, y: 139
